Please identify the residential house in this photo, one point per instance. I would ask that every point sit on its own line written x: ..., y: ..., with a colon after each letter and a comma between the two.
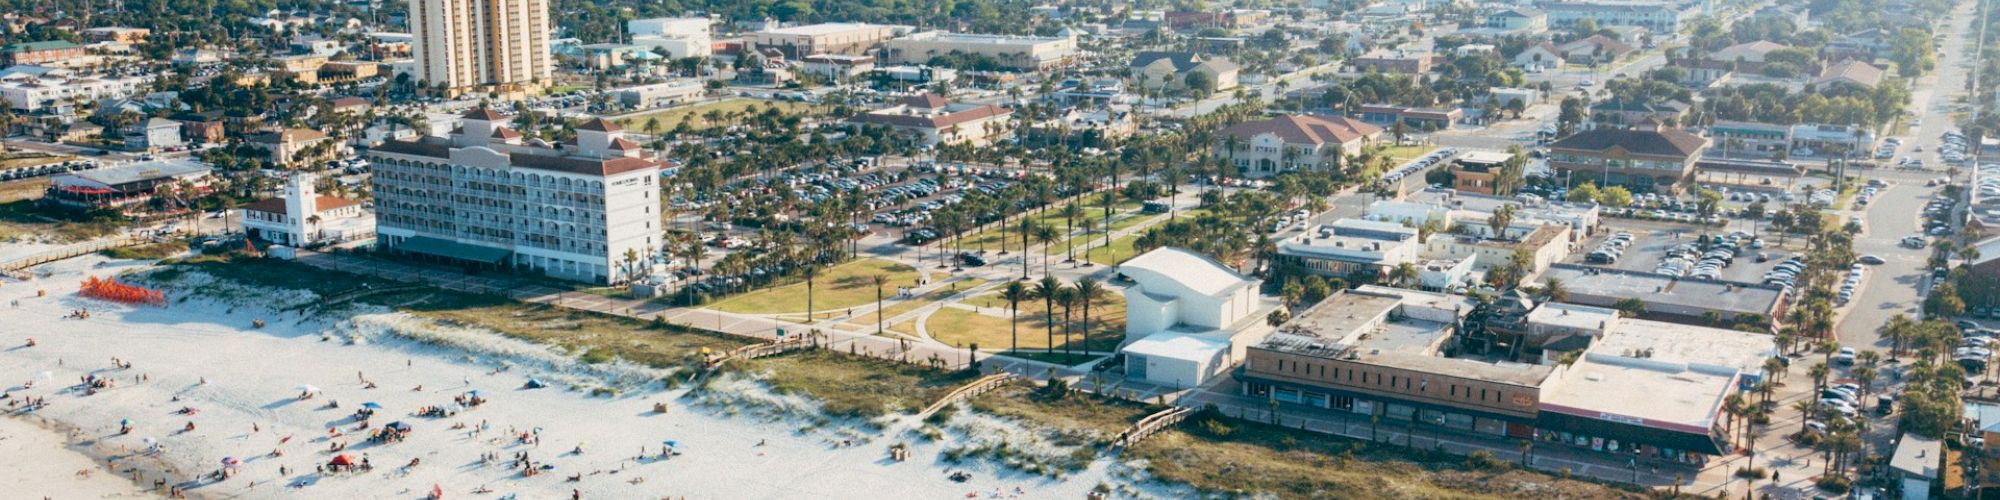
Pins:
x: 295, y: 146
x: 1595, y: 48
x: 1539, y: 56
x: 1851, y: 72
x: 153, y: 134
x: 305, y: 218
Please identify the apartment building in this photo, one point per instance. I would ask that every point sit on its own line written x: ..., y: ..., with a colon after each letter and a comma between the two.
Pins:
x: 30, y: 92
x: 1019, y: 53
x: 468, y: 44
x: 482, y: 197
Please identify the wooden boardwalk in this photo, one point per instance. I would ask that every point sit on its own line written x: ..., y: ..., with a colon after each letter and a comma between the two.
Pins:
x: 971, y: 389
x: 1146, y: 427
x: 16, y: 266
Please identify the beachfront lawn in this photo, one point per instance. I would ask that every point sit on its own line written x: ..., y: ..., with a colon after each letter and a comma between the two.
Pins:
x: 840, y: 287
x: 1227, y: 456
x: 856, y: 386
x: 890, y: 311
x: 1078, y: 414
x: 695, y: 115
x: 150, y: 251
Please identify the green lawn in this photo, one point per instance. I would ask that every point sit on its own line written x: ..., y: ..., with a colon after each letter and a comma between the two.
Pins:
x: 853, y: 386
x: 1400, y: 154
x: 961, y: 327
x: 893, y: 310
x: 693, y: 114
x: 1119, y: 250
x: 843, y: 286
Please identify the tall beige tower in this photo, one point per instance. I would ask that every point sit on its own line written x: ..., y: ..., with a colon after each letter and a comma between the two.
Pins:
x: 464, y: 44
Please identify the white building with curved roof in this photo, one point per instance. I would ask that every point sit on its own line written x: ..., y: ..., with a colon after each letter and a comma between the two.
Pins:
x: 1180, y: 288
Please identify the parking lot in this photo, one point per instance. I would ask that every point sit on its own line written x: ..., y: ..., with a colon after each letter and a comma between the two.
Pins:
x: 1652, y: 240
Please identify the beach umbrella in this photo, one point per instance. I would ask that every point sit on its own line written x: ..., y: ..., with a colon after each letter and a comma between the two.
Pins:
x: 308, y: 388
x: 473, y: 393
x: 343, y: 459
x: 398, y: 426
x: 371, y: 405
x: 672, y: 443
x: 230, y: 461
x: 124, y: 422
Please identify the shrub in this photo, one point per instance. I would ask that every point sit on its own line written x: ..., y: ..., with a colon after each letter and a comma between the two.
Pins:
x: 1483, y: 460
x: 1752, y: 472
x: 597, y: 355
x: 1835, y: 484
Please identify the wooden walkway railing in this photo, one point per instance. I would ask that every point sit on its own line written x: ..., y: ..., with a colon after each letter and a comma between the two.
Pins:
x: 1146, y: 427
x: 88, y: 247
x: 752, y: 351
x: 974, y: 388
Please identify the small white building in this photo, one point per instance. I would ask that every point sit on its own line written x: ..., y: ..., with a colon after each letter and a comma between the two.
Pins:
x: 304, y: 218
x: 1917, y: 464
x: 679, y: 37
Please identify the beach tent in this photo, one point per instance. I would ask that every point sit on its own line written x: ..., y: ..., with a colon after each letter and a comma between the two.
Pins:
x: 342, y: 459
x: 371, y: 405
x: 398, y: 426
x: 536, y: 384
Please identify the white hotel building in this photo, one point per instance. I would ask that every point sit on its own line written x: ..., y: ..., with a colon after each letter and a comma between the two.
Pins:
x: 481, y: 197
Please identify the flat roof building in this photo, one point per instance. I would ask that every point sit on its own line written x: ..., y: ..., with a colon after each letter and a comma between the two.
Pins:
x: 1679, y: 300
x: 129, y: 184
x: 1180, y: 314
x: 1635, y: 388
x: 825, y: 38
x: 1019, y: 53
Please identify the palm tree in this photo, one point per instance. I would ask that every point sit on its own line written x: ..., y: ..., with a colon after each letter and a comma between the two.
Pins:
x: 811, y: 272
x: 1087, y: 291
x: 1553, y: 290
x: 1047, y: 237
x: 878, y: 280
x: 1404, y: 274
x: 1808, y: 411
x: 1014, y: 293
x: 1069, y: 214
x: 1067, y: 298
x: 1048, y: 290
x: 1500, y: 220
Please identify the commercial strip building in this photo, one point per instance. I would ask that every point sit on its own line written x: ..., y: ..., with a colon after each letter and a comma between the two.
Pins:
x: 1469, y: 212
x: 827, y: 38
x: 482, y: 197
x: 467, y: 44
x: 32, y: 92
x: 1686, y: 301
x: 1658, y: 17
x: 1475, y: 171
x: 1019, y: 53
x: 1637, y: 388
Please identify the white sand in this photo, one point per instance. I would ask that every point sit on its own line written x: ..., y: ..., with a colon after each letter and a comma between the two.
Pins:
x: 28, y: 447
x: 251, y: 378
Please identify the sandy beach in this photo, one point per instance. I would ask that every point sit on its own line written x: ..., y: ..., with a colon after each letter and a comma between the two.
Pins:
x: 207, y: 387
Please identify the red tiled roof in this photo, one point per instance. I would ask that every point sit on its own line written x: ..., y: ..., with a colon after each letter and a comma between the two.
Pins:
x: 1305, y: 129
x: 277, y: 205
x: 621, y: 144
x: 599, y: 125
x: 926, y: 100
x: 505, y: 133
x: 484, y: 114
